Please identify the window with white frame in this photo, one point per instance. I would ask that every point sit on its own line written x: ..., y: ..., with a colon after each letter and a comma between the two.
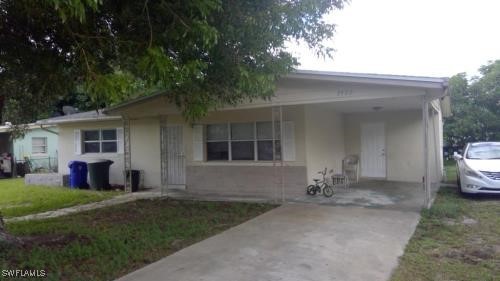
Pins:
x: 253, y: 141
x: 100, y: 141
x: 39, y: 145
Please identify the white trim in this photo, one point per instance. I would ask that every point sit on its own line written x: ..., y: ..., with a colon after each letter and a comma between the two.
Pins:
x: 229, y: 140
x: 288, y: 148
x: 78, y: 120
x: 198, y: 143
x: 370, y: 78
x: 243, y: 163
x: 275, y: 102
x: 100, y: 141
x: 77, y: 142
x: 36, y: 155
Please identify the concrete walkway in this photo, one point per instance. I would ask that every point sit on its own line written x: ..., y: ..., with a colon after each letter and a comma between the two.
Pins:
x: 295, y: 242
x: 128, y: 197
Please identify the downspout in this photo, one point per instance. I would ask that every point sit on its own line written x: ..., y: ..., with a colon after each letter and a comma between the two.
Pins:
x: 47, y: 130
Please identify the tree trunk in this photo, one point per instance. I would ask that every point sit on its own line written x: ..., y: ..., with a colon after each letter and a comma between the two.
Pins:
x: 6, y: 238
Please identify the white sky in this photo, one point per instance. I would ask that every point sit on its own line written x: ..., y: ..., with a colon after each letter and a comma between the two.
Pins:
x: 408, y: 37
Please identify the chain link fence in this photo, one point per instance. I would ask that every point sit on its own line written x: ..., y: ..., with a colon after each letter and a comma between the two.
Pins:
x: 36, y: 165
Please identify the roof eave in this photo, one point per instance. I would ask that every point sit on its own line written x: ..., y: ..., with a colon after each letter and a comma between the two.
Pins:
x: 79, y: 120
x: 387, y: 80
x: 115, y: 108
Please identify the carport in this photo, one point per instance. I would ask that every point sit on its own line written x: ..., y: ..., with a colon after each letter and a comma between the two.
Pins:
x: 377, y: 194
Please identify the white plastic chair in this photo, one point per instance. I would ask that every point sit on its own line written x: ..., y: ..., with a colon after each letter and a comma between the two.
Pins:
x: 350, y: 168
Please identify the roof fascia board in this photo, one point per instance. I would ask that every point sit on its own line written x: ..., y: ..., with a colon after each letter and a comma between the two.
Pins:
x: 304, y: 101
x: 370, y: 80
x: 79, y: 120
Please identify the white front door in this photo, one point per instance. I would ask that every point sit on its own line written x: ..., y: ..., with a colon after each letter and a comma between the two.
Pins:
x: 373, y: 150
x: 175, y: 164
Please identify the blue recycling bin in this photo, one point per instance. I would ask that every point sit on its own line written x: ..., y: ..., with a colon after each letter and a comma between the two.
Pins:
x: 78, y: 174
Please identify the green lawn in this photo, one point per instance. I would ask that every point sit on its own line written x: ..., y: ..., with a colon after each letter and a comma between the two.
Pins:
x: 17, y: 199
x: 107, y: 243
x: 451, y: 171
x: 457, y: 239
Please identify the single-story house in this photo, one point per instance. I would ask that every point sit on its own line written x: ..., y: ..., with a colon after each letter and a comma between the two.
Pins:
x: 272, y: 148
x: 38, y: 145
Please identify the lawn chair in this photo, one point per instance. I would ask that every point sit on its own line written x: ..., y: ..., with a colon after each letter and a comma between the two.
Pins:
x: 350, y: 172
x: 350, y: 168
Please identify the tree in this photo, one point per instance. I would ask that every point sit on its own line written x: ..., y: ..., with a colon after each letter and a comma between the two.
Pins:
x: 476, y: 107
x: 202, y: 53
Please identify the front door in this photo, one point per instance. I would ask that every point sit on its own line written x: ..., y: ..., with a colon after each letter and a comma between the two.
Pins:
x: 373, y: 150
x: 175, y: 164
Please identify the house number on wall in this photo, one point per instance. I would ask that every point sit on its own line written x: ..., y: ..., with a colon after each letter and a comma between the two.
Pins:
x: 344, y: 92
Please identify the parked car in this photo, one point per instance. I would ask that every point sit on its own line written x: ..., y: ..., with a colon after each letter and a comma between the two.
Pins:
x: 478, y: 170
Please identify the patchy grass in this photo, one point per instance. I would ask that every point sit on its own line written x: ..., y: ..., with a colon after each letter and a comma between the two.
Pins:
x: 450, y: 168
x: 107, y: 243
x: 18, y: 199
x: 457, y: 239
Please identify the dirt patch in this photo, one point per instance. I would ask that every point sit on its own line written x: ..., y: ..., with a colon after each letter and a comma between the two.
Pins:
x: 177, y: 244
x: 449, y: 222
x: 53, y: 241
x: 469, y: 221
x: 475, y: 254
x: 20, y: 205
x: 137, y: 211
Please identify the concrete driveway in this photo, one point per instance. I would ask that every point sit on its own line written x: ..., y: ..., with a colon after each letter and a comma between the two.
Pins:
x: 295, y: 242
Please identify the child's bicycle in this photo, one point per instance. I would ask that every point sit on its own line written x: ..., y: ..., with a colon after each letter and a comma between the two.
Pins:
x: 321, y: 186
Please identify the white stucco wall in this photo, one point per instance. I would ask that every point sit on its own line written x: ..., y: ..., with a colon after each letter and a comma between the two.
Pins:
x: 67, y: 151
x: 404, y: 141
x: 323, y: 137
x: 324, y: 134
x: 145, y: 149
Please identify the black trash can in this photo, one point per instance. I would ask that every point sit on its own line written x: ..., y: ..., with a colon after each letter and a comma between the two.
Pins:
x: 99, y: 174
x: 21, y: 169
x: 136, y: 178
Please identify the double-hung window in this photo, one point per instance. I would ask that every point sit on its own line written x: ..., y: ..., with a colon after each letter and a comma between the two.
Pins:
x: 100, y: 141
x: 265, y: 140
x: 39, y: 145
x: 253, y: 141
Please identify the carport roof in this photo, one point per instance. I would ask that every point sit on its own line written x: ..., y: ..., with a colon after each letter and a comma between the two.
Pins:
x: 439, y: 83
x: 433, y: 83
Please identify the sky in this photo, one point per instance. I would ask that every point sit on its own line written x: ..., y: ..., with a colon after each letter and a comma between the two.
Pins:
x: 427, y: 37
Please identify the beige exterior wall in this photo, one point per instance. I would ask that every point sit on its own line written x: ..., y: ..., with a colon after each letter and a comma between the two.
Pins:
x: 145, y: 149
x: 324, y: 134
x: 404, y: 141
x: 66, y: 152
x: 323, y: 137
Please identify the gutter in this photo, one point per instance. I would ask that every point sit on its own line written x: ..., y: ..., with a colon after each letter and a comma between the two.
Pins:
x: 47, y: 130
x: 107, y: 118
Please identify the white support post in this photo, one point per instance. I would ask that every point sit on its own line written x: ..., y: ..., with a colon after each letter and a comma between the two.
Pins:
x: 163, y: 154
x: 427, y: 166
x: 127, y: 157
x: 273, y: 118
x: 281, y: 156
x: 435, y: 141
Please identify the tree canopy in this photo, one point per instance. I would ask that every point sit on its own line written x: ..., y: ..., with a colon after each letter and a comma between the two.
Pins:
x: 201, y: 53
x: 476, y: 107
